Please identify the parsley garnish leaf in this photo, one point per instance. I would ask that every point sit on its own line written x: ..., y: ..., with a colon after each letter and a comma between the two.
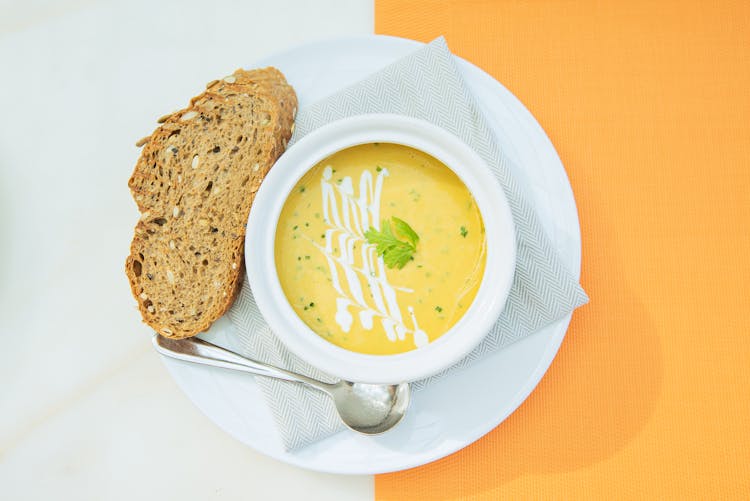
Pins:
x: 396, y: 253
x: 403, y: 228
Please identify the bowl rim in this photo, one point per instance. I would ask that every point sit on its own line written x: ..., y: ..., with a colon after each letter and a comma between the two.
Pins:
x: 495, y: 284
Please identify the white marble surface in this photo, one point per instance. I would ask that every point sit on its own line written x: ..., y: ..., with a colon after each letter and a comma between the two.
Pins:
x: 86, y: 409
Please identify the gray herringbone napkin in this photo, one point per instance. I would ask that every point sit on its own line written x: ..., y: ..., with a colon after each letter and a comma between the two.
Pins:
x: 427, y: 85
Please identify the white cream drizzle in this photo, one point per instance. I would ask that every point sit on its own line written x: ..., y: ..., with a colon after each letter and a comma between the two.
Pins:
x: 349, y: 216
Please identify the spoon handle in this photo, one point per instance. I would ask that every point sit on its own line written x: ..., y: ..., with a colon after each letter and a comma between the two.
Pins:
x: 202, y: 352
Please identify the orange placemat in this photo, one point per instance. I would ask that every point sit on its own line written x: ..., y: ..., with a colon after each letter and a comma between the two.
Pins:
x: 648, y: 105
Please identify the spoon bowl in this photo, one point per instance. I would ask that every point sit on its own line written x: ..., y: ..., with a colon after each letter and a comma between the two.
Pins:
x: 370, y: 409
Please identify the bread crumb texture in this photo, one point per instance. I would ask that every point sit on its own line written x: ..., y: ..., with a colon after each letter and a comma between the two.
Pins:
x: 194, y: 184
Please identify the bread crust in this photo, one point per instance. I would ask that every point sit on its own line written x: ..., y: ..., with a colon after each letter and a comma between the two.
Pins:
x: 194, y: 183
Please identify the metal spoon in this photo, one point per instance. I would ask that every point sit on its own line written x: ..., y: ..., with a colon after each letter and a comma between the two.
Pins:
x: 369, y: 409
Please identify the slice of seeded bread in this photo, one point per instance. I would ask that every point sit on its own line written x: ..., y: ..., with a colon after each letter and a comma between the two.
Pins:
x: 194, y: 183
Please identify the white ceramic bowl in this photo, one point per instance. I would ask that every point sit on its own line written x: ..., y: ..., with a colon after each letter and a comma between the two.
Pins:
x: 499, y: 231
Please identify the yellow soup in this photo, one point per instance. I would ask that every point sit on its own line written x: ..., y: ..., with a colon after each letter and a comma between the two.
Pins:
x: 395, y: 296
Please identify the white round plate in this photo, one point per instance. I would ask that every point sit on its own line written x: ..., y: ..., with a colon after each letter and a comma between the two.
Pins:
x: 444, y: 417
